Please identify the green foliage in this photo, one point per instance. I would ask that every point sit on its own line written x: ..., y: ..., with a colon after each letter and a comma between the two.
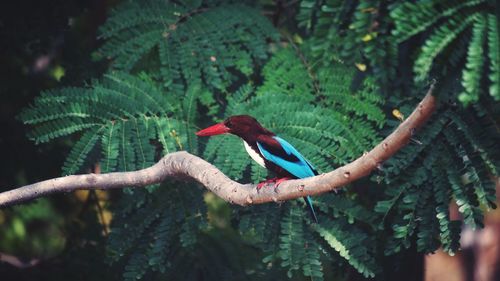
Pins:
x: 494, y: 56
x: 456, y: 35
x: 449, y: 163
x: 452, y: 30
x: 355, y: 31
x: 117, y: 116
x: 187, y: 43
x: 180, y: 66
x: 153, y: 232
x: 356, y: 249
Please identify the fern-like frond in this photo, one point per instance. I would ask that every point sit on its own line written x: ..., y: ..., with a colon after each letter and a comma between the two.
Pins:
x: 414, y: 18
x: 494, y: 56
x: 286, y: 73
x: 365, y: 103
x: 352, y: 247
x: 124, y: 236
x: 260, y: 224
x: 340, y: 205
x: 195, y: 42
x: 81, y: 148
x: 476, y: 173
x: 468, y: 204
x: 447, y: 27
x: 354, y: 31
x: 119, y: 114
x: 312, y: 266
x: 438, y: 41
x: 292, y: 240
x: 168, y: 221
x: 472, y: 72
x: 449, y: 230
x: 428, y: 234
x: 449, y: 162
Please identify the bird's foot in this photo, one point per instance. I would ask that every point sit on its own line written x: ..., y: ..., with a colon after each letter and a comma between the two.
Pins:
x: 276, y: 181
x: 262, y: 184
x: 279, y: 181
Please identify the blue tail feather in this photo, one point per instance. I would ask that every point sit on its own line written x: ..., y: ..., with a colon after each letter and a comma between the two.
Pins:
x: 311, y: 207
x: 294, y: 163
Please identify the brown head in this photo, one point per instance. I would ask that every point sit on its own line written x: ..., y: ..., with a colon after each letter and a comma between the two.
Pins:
x: 244, y: 126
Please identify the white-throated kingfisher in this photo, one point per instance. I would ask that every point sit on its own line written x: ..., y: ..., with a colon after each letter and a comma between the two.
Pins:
x: 267, y: 149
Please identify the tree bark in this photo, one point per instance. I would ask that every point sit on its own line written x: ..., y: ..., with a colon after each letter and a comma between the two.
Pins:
x: 183, y: 164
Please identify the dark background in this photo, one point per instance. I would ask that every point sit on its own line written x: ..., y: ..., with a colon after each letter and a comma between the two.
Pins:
x: 43, y: 45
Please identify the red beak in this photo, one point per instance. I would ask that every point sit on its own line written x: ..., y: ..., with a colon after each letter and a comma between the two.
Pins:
x: 216, y: 129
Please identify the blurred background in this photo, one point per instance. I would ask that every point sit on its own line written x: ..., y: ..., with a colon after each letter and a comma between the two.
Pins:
x: 48, y: 44
x: 43, y: 45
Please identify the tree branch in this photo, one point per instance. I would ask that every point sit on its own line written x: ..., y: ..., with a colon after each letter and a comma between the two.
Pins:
x: 18, y: 262
x: 187, y: 165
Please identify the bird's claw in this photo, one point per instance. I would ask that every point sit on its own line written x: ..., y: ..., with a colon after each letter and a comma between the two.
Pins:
x: 276, y: 181
x: 279, y: 181
x: 262, y: 184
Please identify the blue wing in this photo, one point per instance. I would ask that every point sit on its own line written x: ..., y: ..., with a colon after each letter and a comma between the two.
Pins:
x: 294, y: 162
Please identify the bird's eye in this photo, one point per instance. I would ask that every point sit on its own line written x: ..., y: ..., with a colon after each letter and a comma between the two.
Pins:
x: 229, y: 124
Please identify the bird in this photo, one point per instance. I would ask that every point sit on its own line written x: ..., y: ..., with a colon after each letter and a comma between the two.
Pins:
x: 268, y: 150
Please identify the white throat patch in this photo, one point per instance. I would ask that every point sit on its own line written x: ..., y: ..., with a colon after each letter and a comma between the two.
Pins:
x: 255, y: 156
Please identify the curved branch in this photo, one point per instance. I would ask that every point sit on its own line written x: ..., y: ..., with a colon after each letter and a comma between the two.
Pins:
x: 18, y: 262
x: 185, y: 164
